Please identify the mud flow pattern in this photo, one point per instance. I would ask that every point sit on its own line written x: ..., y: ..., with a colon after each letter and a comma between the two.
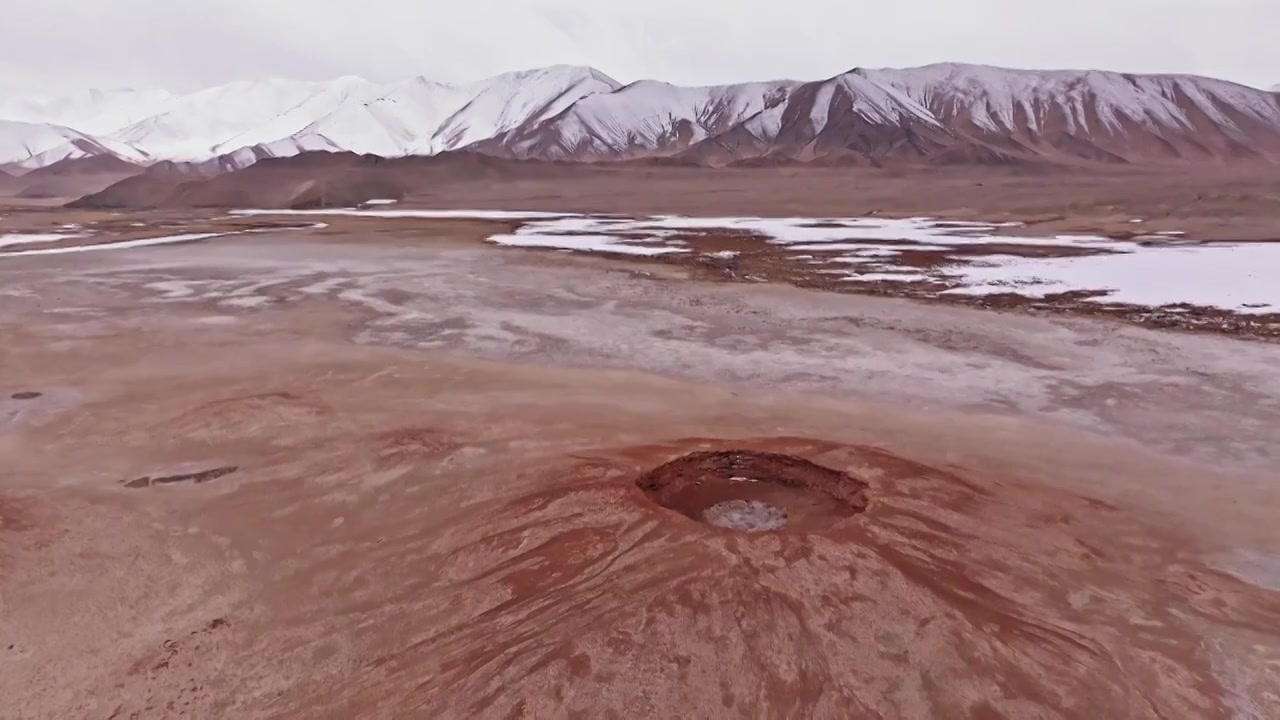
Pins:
x: 755, y: 491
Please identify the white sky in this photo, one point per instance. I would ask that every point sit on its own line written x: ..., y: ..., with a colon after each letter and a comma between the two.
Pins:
x: 54, y: 45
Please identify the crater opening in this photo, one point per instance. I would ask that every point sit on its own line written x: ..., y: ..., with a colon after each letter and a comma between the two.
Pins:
x: 26, y: 395
x: 755, y: 491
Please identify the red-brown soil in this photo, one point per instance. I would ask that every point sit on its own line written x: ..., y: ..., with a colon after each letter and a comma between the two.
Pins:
x: 435, y: 511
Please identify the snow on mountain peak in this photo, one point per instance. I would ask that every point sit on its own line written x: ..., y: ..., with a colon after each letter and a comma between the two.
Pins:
x: 507, y: 101
x: 874, y: 101
x: 998, y: 99
x: 34, y: 145
x: 89, y: 111
x: 647, y: 115
x: 284, y: 117
x: 571, y: 112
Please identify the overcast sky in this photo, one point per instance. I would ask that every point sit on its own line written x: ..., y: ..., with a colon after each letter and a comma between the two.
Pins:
x: 53, y: 45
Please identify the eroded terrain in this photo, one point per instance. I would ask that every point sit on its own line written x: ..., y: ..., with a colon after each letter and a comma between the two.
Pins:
x: 390, y: 470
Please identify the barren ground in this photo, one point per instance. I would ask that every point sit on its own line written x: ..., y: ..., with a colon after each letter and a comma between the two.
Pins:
x: 1206, y: 204
x: 390, y: 471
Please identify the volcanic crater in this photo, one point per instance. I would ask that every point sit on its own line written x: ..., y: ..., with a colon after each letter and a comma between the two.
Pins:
x: 752, y: 492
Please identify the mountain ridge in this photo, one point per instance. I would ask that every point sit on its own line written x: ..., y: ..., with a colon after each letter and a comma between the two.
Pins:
x: 940, y: 113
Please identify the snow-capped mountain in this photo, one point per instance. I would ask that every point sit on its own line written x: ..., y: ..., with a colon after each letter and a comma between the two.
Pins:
x: 937, y: 113
x: 91, y: 111
x: 285, y: 117
x: 645, y: 118
x: 847, y: 115
x: 946, y: 112
x: 1108, y: 115
x: 517, y: 99
x: 266, y: 122
x: 395, y: 120
x: 203, y: 124
x: 32, y: 145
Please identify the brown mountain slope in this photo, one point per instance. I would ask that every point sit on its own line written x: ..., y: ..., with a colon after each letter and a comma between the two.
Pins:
x: 844, y: 120
x: 318, y: 179
x: 642, y: 120
x: 1070, y: 116
x: 74, y: 177
x: 937, y: 114
x: 159, y: 185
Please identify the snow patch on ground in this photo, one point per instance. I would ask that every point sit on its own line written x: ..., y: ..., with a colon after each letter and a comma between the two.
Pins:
x: 590, y: 243
x: 29, y: 238
x: 144, y: 242
x: 888, y: 277
x: 1217, y: 275
x: 140, y: 242
x: 745, y: 515
x: 1238, y: 277
x: 423, y: 214
x: 1226, y: 276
